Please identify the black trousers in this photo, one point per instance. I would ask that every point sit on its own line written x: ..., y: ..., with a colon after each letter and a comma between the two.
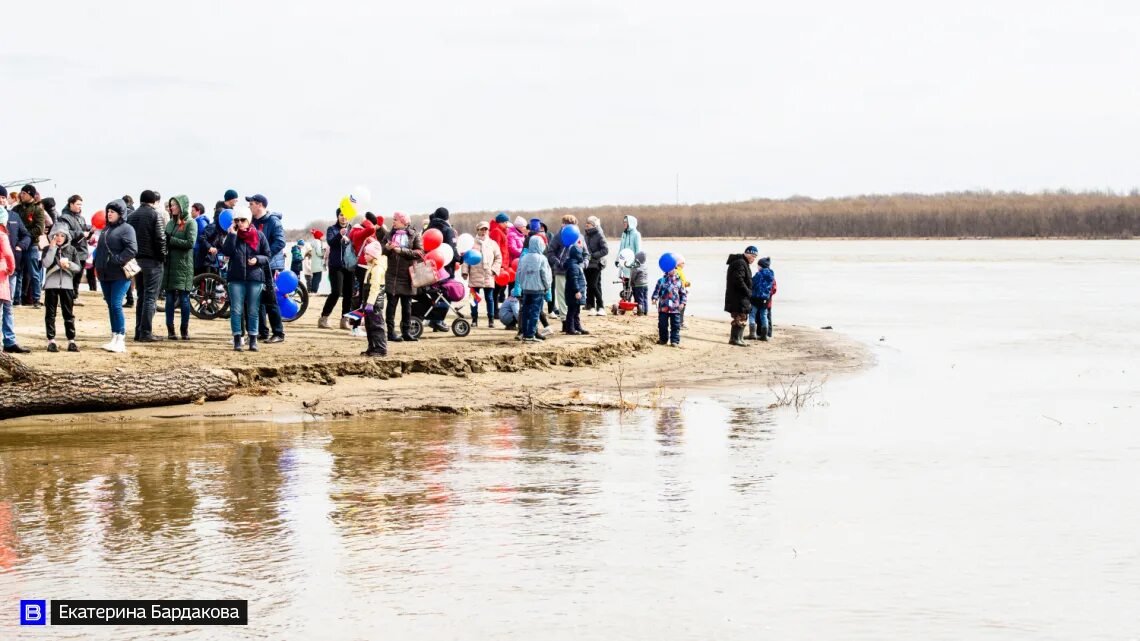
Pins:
x: 405, y: 314
x: 62, y: 298
x: 593, y: 288
x: 149, y: 283
x: 374, y: 325
x: 341, y: 280
x: 91, y: 278
x: 573, y: 322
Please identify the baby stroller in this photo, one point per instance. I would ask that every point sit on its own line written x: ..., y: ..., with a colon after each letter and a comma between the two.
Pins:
x: 434, y: 301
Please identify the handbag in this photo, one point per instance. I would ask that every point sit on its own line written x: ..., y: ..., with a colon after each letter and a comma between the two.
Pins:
x: 348, y: 256
x: 131, y: 268
x: 422, y: 274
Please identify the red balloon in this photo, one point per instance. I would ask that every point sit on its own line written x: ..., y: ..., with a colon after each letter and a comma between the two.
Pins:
x: 502, y: 280
x: 514, y: 264
x: 432, y: 238
x: 434, y: 260
x: 99, y: 219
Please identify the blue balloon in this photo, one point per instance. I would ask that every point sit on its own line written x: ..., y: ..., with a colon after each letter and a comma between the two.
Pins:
x: 226, y: 218
x: 286, y: 282
x: 289, y: 307
x: 472, y: 257
x: 668, y: 262
x: 570, y: 235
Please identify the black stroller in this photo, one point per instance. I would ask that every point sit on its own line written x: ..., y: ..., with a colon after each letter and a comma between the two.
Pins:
x: 433, y: 303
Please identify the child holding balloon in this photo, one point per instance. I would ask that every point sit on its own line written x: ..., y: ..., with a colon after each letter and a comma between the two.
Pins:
x: 670, y: 297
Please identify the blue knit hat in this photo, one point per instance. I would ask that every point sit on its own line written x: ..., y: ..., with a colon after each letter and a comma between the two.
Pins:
x: 752, y: 250
x: 502, y: 218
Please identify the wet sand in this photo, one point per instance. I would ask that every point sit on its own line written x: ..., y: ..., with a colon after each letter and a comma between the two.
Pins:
x: 320, y: 373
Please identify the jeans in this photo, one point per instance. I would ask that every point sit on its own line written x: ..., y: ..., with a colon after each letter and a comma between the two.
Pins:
x: 34, y: 270
x: 270, y: 308
x: 113, y: 293
x: 62, y: 298
x: 669, y: 327
x: 148, y: 284
x: 16, y: 280
x: 594, y: 288
x: 341, y: 280
x: 531, y: 308
x: 181, y: 299
x: 9, y: 326
x: 759, y: 316
x: 488, y: 294
x: 641, y: 297
x: 244, y: 305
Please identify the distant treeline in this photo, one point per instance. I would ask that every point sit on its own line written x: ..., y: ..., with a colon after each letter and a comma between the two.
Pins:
x: 1055, y: 214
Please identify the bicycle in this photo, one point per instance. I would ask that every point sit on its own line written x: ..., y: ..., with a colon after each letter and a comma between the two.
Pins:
x: 209, y: 299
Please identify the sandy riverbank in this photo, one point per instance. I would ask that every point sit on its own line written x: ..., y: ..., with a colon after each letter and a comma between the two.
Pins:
x: 319, y: 373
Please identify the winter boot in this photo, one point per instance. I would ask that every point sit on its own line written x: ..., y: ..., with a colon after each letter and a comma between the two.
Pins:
x: 170, y: 333
x: 392, y: 335
x: 252, y: 343
x: 237, y: 343
x: 751, y: 331
x: 323, y: 323
x: 738, y: 337
x: 344, y: 323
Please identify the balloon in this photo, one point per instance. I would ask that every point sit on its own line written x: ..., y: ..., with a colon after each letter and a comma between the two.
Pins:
x: 286, y: 282
x: 472, y: 257
x: 503, y: 278
x: 226, y: 218
x: 680, y: 259
x: 347, y: 207
x: 99, y: 219
x: 625, y: 256
x: 668, y: 262
x: 447, y: 253
x: 288, y: 306
x: 432, y: 238
x: 464, y: 243
x: 570, y: 235
x: 510, y: 275
x: 514, y: 264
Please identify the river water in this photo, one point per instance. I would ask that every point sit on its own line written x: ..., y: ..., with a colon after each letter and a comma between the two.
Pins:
x: 979, y: 482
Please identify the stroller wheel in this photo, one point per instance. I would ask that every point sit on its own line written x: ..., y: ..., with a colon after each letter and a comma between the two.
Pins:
x: 460, y: 327
x: 416, y: 327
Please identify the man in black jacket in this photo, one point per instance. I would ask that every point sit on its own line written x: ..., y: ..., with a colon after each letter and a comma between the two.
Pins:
x: 151, y: 239
x: 738, y: 292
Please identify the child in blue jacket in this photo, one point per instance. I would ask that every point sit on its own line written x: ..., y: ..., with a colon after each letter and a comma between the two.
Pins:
x: 575, y: 291
x: 761, y: 294
x: 670, y: 297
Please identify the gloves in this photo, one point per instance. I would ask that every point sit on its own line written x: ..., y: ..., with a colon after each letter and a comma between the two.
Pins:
x: 368, y: 309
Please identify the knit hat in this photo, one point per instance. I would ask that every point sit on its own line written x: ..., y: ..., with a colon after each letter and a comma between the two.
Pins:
x: 502, y: 218
x: 401, y: 217
x: 752, y: 250
x: 4, y: 191
x: 520, y: 223
x: 30, y: 190
x: 441, y: 214
x: 230, y: 195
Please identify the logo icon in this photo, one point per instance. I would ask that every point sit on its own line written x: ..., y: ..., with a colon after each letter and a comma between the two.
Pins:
x: 33, y: 612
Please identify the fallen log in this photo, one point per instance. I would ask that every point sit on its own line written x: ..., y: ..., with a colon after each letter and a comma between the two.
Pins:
x: 30, y: 392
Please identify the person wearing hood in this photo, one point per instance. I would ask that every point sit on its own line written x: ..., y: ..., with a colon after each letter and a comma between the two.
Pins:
x: 630, y: 239
x: 7, y: 270
x: 60, y: 263
x: 516, y: 238
x: 404, y: 248
x: 150, y: 233
x: 248, y: 251
x: 498, y: 235
x: 596, y: 249
x: 373, y: 296
x: 639, y: 282
x: 269, y: 224
x: 440, y: 220
x: 575, y: 290
x: 201, y: 244
x: 534, y: 280
x: 117, y: 247
x: 72, y: 216
x: 738, y: 292
x: 342, y: 262
x: 178, y: 273
x: 761, y: 296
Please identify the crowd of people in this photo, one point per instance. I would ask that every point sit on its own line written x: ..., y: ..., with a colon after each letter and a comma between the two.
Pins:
x: 518, y: 270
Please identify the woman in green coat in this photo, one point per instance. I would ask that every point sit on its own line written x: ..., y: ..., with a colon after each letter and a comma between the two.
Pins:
x: 178, y: 275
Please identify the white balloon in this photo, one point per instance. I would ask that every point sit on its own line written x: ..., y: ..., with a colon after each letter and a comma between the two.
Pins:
x: 464, y: 243
x: 361, y: 195
x: 447, y: 252
x: 626, y: 256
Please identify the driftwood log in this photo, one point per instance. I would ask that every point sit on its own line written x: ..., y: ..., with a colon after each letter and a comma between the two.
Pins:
x: 30, y: 392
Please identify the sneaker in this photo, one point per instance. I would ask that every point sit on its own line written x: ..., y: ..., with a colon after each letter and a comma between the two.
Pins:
x: 72, y: 347
x: 540, y: 337
x: 662, y: 342
x: 52, y: 347
x: 490, y: 324
x: 518, y: 337
x: 532, y: 339
x: 583, y: 332
x: 358, y: 333
x: 546, y: 331
x: 276, y: 339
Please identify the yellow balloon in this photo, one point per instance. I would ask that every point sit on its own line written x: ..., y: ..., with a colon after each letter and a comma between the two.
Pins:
x: 347, y: 208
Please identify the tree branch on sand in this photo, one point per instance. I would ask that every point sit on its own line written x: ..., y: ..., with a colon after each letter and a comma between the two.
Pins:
x: 30, y: 392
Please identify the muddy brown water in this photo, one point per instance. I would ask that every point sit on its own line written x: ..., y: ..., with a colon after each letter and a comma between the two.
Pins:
x: 979, y: 482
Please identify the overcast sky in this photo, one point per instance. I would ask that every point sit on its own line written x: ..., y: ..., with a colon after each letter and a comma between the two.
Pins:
x: 518, y: 104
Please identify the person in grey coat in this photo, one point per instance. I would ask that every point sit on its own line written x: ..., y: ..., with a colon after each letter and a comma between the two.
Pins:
x: 72, y: 216
x: 60, y: 263
x: 597, y: 249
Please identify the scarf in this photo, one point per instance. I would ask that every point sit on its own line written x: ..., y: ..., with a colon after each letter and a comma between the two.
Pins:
x: 249, y: 237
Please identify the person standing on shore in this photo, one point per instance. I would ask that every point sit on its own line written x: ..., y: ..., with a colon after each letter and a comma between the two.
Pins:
x: 534, y: 281
x: 317, y: 258
x: 270, y: 225
x: 201, y: 246
x: 178, y: 277
x: 597, y: 249
x: 738, y: 292
x: 575, y: 290
x: 7, y: 271
x: 80, y: 231
x: 631, y: 240
x: 19, y: 240
x: 248, y: 251
x: 498, y: 234
x: 761, y: 295
x: 117, y: 246
x: 404, y: 248
x: 373, y: 297
x: 481, y: 277
x: 150, y: 235
x: 342, y: 260
x: 670, y: 297
x: 32, y: 214
x: 516, y: 239
x: 61, y: 263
